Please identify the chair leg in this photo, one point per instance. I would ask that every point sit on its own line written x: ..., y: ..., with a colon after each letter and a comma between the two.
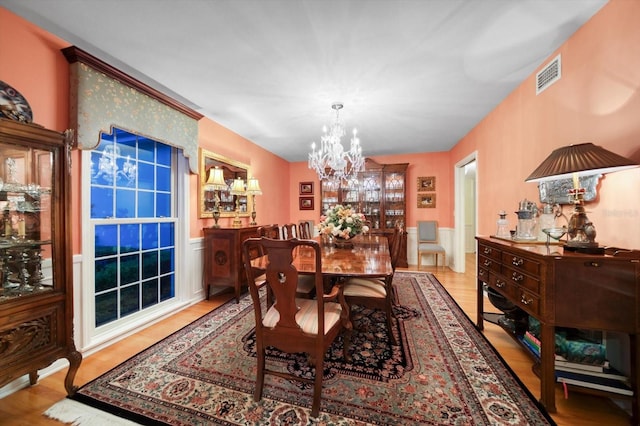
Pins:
x: 392, y: 337
x: 257, y: 395
x: 419, y: 260
x: 317, y: 387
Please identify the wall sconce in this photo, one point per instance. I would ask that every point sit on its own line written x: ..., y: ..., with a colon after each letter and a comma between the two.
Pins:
x: 216, y: 183
x: 253, y: 189
x: 573, y: 161
x: 237, y: 189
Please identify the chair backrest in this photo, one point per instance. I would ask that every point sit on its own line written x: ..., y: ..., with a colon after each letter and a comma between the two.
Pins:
x: 427, y: 231
x: 396, y: 246
x: 289, y: 231
x: 282, y: 282
x: 304, y: 230
x: 269, y: 231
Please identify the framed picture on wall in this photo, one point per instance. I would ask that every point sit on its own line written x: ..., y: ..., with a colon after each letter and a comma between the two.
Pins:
x: 306, y: 203
x: 426, y: 183
x: 426, y: 201
x: 306, y: 188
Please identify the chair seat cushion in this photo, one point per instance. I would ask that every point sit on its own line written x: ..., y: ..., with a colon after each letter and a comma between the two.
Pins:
x: 363, y: 287
x: 430, y: 247
x: 307, y: 315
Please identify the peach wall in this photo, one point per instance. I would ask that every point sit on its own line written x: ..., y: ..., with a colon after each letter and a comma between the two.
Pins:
x: 420, y: 164
x: 597, y: 100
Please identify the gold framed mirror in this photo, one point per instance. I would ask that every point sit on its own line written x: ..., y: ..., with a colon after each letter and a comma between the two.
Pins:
x: 231, y: 170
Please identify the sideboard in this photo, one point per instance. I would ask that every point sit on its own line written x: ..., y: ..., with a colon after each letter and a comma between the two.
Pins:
x: 561, y: 288
x: 223, y: 258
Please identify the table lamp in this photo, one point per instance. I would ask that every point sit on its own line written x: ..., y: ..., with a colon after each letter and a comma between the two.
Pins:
x: 253, y: 189
x: 216, y: 183
x: 573, y: 161
x: 237, y: 189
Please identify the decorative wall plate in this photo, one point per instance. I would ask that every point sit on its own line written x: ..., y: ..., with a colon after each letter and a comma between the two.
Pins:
x: 13, y: 105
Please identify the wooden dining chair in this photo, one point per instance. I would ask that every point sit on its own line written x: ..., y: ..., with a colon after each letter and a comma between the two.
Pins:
x: 377, y: 293
x: 304, y: 230
x: 292, y: 324
x: 428, y: 241
x: 269, y: 231
x: 289, y: 231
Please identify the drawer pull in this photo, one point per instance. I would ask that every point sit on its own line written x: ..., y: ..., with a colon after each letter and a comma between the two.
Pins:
x: 481, y: 272
x: 517, y: 277
x: 525, y: 301
x: 487, y: 250
x: 487, y: 263
x: 517, y: 261
x: 500, y: 284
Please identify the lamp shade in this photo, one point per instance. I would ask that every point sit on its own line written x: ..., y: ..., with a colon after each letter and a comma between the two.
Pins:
x: 216, y: 180
x: 237, y: 187
x: 253, y: 186
x: 579, y: 160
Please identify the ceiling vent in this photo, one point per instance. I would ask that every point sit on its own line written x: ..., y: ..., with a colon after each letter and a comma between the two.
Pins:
x: 549, y: 74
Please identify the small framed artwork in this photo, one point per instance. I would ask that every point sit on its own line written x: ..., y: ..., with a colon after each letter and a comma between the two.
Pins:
x: 427, y: 183
x: 306, y: 203
x: 306, y: 188
x: 426, y: 201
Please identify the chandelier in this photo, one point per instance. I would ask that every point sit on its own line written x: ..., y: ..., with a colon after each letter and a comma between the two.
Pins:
x: 331, y: 161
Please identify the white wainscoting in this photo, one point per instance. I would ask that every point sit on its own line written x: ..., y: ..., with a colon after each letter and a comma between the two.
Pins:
x: 446, y: 240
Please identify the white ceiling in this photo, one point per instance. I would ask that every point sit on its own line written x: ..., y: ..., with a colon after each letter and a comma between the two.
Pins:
x: 414, y: 75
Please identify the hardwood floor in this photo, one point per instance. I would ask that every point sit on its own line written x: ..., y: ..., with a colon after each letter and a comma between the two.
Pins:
x: 25, y: 406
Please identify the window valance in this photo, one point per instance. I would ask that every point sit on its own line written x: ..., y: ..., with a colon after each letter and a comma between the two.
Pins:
x: 102, y: 98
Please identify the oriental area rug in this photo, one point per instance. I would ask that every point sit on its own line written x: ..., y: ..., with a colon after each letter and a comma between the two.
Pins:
x: 443, y: 372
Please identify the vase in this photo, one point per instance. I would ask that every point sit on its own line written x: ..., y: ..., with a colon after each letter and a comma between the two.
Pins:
x: 341, y: 243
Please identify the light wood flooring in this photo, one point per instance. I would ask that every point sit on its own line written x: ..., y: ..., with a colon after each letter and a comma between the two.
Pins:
x: 25, y: 406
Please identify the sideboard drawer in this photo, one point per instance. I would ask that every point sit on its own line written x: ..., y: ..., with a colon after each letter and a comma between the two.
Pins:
x: 528, y: 301
x: 497, y: 282
x: 522, y: 263
x: 488, y: 263
x: 489, y: 252
x: 521, y: 279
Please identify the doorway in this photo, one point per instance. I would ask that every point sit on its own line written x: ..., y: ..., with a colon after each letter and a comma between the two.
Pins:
x: 465, y: 210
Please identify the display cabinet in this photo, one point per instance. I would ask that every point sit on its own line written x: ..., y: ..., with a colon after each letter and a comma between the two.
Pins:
x: 36, y: 307
x: 379, y: 192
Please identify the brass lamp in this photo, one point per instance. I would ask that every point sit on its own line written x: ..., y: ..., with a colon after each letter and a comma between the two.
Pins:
x: 216, y: 183
x: 253, y: 189
x: 573, y: 161
x: 237, y: 189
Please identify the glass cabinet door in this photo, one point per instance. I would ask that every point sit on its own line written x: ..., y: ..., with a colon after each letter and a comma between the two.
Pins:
x: 371, y: 197
x: 330, y: 191
x: 26, y: 177
x: 394, y: 213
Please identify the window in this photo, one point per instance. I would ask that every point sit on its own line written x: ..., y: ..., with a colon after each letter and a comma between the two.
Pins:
x: 133, y: 219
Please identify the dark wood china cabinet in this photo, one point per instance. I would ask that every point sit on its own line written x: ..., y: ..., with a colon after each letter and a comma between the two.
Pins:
x: 36, y: 299
x: 379, y: 193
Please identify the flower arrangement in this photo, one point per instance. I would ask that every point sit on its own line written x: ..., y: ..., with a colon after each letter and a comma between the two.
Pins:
x: 342, y: 222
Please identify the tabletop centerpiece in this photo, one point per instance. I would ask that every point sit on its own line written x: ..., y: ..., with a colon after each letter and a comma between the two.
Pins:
x: 341, y: 223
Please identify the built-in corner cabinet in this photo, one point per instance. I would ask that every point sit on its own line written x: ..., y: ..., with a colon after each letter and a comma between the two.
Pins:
x: 36, y: 307
x: 379, y: 193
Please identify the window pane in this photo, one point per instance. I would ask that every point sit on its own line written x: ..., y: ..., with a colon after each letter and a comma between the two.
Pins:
x: 167, y: 287
x: 166, y: 234
x: 106, y: 237
x: 149, y: 264
x: 106, y: 274
x: 129, y: 238
x: 101, y: 202
x: 146, y: 150
x: 125, y: 203
x: 149, y: 236
x: 163, y: 207
x: 166, y: 261
x: 129, y: 300
x: 164, y: 179
x: 129, y: 269
x: 126, y: 172
x: 106, y: 308
x: 145, y: 204
x: 149, y: 293
x: 163, y: 154
x: 146, y: 176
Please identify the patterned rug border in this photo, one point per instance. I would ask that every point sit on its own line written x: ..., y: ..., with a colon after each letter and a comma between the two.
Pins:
x: 235, y: 309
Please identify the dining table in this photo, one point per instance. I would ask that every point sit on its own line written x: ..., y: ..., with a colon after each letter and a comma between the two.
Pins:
x: 369, y: 257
